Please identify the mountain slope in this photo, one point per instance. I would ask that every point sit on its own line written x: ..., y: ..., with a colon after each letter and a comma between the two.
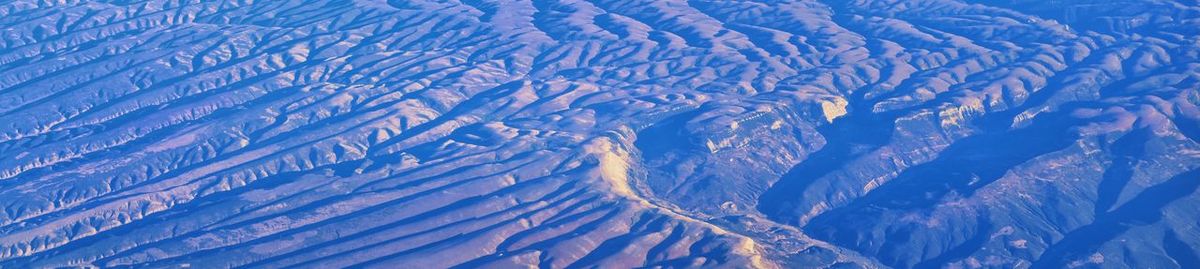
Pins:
x: 560, y: 133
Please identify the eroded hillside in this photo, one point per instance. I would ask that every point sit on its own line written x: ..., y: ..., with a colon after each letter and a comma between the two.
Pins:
x: 601, y: 133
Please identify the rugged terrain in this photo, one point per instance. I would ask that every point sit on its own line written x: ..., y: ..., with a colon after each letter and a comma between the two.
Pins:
x: 600, y: 133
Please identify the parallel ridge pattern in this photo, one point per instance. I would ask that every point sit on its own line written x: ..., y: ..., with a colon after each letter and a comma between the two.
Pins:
x: 562, y: 133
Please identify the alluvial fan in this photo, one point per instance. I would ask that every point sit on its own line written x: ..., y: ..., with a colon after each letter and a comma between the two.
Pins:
x: 600, y: 133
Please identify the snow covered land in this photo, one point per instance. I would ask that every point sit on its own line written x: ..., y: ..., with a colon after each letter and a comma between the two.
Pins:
x: 600, y: 134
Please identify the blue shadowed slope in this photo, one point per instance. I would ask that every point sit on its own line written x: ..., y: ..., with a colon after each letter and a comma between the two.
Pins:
x: 600, y: 134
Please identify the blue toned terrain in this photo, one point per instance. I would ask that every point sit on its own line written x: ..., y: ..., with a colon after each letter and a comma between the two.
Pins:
x: 600, y: 134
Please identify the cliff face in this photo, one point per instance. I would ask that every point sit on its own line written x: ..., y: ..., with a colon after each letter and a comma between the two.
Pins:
x: 563, y: 133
